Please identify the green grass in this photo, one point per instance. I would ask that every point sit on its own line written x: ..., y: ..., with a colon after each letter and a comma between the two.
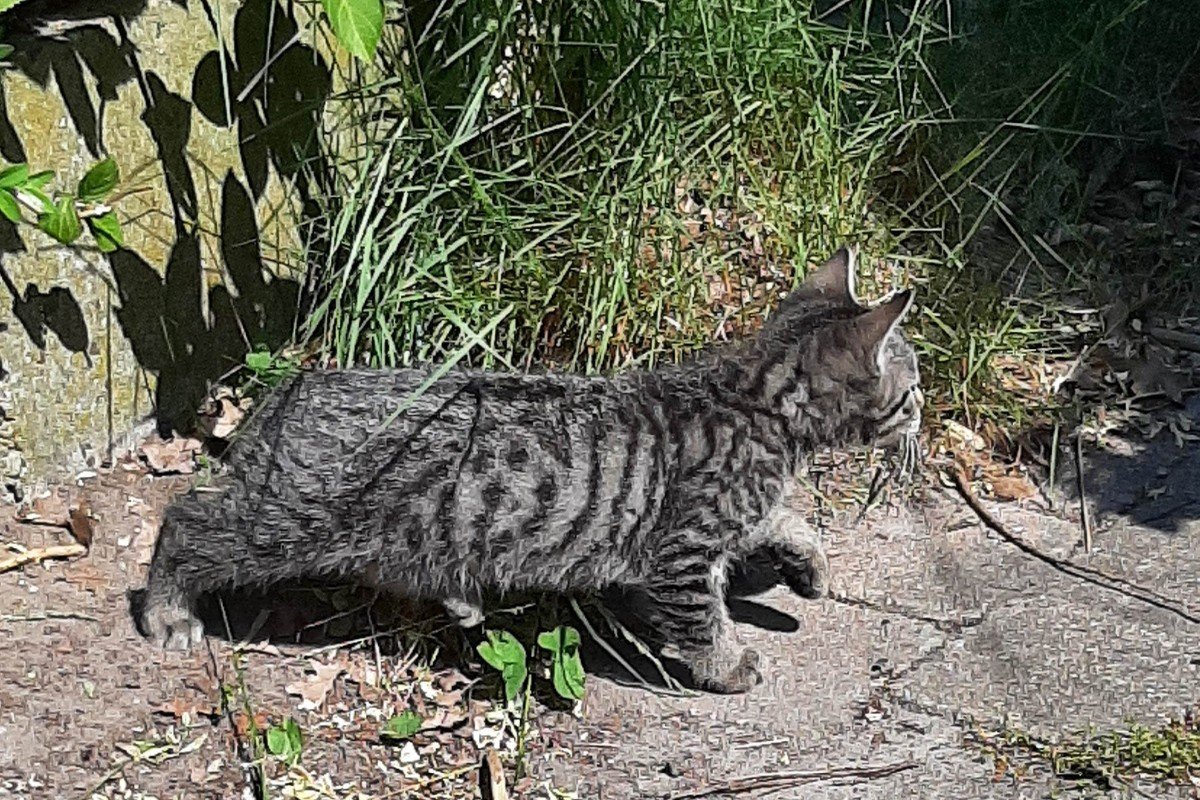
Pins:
x: 654, y: 174
x: 560, y: 228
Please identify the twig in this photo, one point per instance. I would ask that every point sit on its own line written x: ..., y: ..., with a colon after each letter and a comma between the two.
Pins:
x: 1050, y: 493
x: 1084, y: 517
x: 491, y: 777
x: 429, y: 780
x: 785, y: 780
x: 45, y: 615
x: 600, y: 640
x: 673, y: 687
x: 943, y: 624
x: 40, y: 554
x: 1088, y: 574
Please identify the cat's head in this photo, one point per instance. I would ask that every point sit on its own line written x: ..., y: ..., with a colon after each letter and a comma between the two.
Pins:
x: 843, y: 372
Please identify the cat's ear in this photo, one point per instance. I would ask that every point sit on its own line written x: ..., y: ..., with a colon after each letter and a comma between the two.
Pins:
x: 833, y: 280
x: 873, y: 327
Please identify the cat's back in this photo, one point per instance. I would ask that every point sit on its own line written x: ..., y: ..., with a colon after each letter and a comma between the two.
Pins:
x: 331, y: 429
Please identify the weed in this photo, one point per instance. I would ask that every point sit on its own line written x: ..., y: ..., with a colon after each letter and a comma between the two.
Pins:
x: 612, y: 191
x: 505, y: 653
x: 566, y: 668
x: 402, y: 726
x: 1167, y: 753
x: 267, y: 369
x: 285, y: 741
x: 64, y: 216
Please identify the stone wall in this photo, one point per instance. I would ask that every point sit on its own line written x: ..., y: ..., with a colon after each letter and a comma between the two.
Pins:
x: 93, y: 348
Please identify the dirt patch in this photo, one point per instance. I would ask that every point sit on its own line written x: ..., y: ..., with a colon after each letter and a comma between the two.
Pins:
x: 90, y: 709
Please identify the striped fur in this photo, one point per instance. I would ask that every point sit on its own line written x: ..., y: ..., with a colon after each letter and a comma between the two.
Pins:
x: 490, y: 483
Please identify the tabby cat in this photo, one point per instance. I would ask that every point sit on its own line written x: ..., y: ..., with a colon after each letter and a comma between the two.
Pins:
x: 652, y: 480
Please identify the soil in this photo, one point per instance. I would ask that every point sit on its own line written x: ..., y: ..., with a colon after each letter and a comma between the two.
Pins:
x: 941, y: 642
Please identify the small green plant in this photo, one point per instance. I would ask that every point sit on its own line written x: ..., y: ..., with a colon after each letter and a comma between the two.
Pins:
x: 285, y: 741
x: 401, y: 726
x: 566, y: 667
x: 505, y: 653
x: 268, y: 368
x: 64, y: 216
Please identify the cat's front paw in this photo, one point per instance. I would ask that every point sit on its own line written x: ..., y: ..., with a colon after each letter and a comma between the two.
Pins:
x: 170, y: 624
x: 808, y: 577
x: 743, y: 677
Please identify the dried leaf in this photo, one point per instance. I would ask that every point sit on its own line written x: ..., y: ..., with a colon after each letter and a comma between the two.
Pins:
x: 50, y: 510
x: 243, y: 723
x: 173, y: 456
x: 491, y: 777
x: 445, y: 719
x: 221, y: 418
x: 81, y: 525
x: 1012, y: 487
x: 315, y: 688
x: 177, y: 707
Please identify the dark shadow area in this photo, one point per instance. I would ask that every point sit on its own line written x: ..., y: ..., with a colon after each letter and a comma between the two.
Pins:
x: 1088, y: 187
x: 319, y: 614
x: 271, y: 89
x: 165, y: 322
x: 178, y: 327
x: 1153, y: 483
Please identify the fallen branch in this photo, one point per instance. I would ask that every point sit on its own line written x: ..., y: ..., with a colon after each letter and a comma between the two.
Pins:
x: 774, y: 781
x: 1090, y: 575
x: 40, y: 554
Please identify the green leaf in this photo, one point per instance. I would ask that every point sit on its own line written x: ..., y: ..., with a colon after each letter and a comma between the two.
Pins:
x: 258, y: 361
x: 357, y: 24
x: 559, y: 639
x: 40, y: 196
x: 501, y: 648
x: 39, y: 179
x: 504, y: 652
x: 6, y: 50
x: 106, y: 230
x: 402, y: 725
x: 277, y: 741
x: 5, y: 5
x: 285, y: 741
x: 14, y: 176
x: 99, y: 181
x: 568, y: 676
x: 514, y: 676
x: 9, y: 206
x: 566, y: 667
x: 62, y: 221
